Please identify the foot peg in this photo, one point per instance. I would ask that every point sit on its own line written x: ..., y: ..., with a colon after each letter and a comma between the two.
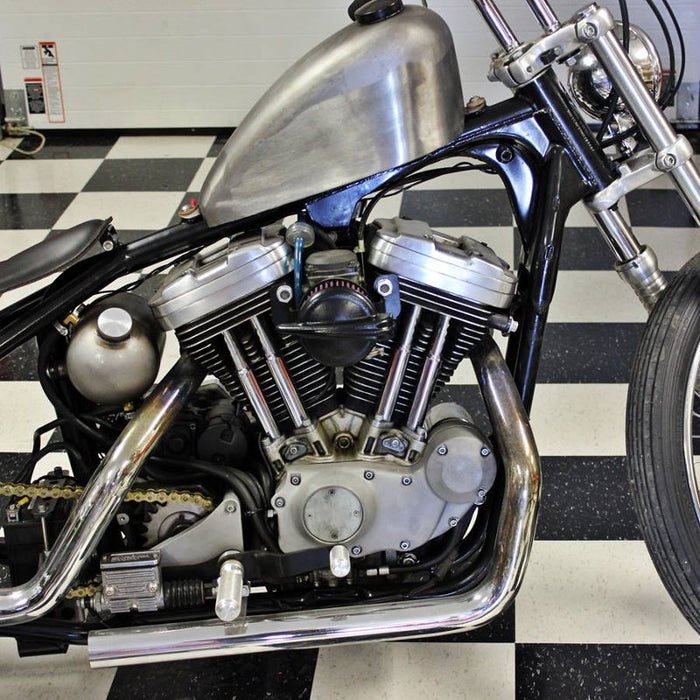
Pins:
x: 229, y: 594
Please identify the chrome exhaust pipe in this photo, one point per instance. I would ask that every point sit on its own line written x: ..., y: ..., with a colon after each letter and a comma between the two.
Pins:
x: 299, y: 630
x: 99, y: 502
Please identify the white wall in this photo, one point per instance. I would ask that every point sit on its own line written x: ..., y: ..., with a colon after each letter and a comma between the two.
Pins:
x: 163, y: 63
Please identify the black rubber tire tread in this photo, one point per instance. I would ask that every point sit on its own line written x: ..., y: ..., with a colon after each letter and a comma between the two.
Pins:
x: 661, y: 490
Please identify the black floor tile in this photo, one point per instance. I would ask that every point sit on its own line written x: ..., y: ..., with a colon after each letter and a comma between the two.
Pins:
x: 283, y: 675
x: 216, y: 147
x: 71, y: 147
x: 651, y: 672
x: 662, y: 208
x: 458, y: 207
x: 143, y: 175
x: 32, y: 211
x: 589, y: 352
x: 586, y: 498
x: 20, y: 364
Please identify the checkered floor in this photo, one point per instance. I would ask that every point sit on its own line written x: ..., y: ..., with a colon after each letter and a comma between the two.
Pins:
x: 592, y: 618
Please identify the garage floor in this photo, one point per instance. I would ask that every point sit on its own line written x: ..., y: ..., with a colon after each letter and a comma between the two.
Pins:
x: 592, y: 619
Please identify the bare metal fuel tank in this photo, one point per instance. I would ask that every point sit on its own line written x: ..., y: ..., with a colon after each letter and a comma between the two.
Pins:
x: 369, y: 98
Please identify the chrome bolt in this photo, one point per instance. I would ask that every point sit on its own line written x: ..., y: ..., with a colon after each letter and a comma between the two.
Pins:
x: 669, y: 161
x: 284, y: 293
x: 405, y: 544
x: 385, y: 287
x: 295, y: 479
x: 356, y: 550
x: 109, y: 590
x: 589, y: 30
x: 406, y: 481
x: 452, y: 522
x: 122, y: 518
x: 230, y: 507
x: 481, y: 493
x: 442, y: 450
x: 369, y: 475
x: 293, y: 451
x: 152, y: 587
x: 108, y: 245
x: 279, y: 502
x: 485, y: 452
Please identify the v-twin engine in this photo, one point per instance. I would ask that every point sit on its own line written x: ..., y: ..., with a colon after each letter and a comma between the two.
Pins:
x: 337, y: 364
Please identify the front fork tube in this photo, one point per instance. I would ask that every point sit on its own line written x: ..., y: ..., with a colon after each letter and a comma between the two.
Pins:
x: 636, y: 264
x: 538, y: 269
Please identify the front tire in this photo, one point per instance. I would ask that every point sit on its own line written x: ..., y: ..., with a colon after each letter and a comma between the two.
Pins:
x: 663, y: 413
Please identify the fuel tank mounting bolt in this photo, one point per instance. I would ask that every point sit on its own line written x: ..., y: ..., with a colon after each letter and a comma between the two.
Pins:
x: 476, y: 104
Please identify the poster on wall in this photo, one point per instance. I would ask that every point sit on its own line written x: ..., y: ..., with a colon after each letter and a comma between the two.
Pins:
x: 53, y: 91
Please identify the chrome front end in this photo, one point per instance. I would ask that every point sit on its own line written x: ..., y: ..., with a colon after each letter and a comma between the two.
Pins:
x: 461, y: 612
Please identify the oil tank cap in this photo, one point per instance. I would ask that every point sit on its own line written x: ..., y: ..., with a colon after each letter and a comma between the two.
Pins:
x: 376, y: 11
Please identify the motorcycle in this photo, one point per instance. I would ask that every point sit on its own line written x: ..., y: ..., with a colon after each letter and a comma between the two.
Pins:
x: 295, y: 479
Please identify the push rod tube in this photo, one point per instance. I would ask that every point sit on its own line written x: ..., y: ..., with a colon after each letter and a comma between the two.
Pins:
x: 461, y: 612
x: 101, y: 498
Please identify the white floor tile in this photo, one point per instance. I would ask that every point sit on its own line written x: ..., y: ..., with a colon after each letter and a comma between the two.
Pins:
x: 58, y: 677
x: 161, y: 147
x: 23, y: 409
x: 408, y: 671
x: 200, y: 175
x: 673, y: 246
x: 592, y: 296
x: 47, y: 175
x: 131, y: 210
x: 596, y: 593
x: 579, y: 419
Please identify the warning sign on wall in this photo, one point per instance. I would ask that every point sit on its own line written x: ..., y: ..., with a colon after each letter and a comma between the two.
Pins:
x: 53, y: 91
x: 34, y: 88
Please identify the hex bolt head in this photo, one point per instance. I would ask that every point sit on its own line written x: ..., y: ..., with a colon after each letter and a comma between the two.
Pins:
x: 406, y: 480
x: 293, y: 451
x: 295, y: 479
x: 284, y: 293
x: 669, y: 160
x: 485, y: 451
x: 590, y: 31
x: 369, y: 475
x: 356, y: 550
x: 230, y: 507
x: 279, y: 502
x: 405, y: 544
x: 152, y: 587
x: 108, y: 590
x: 452, y: 522
x: 442, y: 450
x: 385, y: 287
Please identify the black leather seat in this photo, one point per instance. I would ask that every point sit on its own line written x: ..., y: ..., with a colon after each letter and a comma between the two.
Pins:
x: 53, y: 254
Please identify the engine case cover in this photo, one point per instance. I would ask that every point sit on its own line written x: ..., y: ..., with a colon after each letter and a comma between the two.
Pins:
x: 379, y: 504
x: 369, y: 98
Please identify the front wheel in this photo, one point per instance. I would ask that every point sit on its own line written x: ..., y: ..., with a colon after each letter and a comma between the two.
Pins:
x: 663, y: 438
